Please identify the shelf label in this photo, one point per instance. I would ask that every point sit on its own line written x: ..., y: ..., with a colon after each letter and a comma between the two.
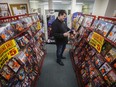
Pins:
x: 7, y: 51
x: 12, y: 52
x: 6, y: 46
x: 38, y: 25
x: 97, y: 41
x: 8, y: 55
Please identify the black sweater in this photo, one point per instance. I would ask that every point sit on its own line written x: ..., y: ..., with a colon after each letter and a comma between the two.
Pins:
x: 58, y: 29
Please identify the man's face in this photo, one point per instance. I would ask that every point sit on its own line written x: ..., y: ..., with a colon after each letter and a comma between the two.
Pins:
x: 62, y: 17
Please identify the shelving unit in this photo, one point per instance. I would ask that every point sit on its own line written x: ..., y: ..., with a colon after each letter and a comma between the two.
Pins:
x: 93, y: 54
x: 23, y: 52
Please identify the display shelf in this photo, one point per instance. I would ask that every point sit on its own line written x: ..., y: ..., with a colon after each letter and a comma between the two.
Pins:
x: 112, y: 43
x: 94, y: 17
x: 107, y: 18
x: 17, y: 18
x: 75, y: 69
x: 106, y: 39
x: 85, y: 59
x: 30, y: 43
x: 23, y: 31
x: 41, y: 63
x: 72, y: 59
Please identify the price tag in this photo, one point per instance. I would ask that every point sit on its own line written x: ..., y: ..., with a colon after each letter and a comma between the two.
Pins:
x: 12, y: 52
x: 6, y: 46
x: 97, y: 41
x: 38, y: 25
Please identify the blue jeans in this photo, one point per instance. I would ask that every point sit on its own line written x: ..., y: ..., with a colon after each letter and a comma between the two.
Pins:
x: 60, y: 50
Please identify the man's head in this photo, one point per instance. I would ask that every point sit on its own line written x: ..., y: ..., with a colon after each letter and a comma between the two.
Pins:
x: 62, y: 15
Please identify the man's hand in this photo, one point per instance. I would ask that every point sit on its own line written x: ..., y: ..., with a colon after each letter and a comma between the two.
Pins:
x: 66, y: 34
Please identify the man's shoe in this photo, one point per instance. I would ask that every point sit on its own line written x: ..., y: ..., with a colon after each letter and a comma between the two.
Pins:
x: 60, y: 63
x: 63, y: 58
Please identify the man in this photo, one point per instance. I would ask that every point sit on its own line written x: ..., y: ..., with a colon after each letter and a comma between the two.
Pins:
x: 60, y: 33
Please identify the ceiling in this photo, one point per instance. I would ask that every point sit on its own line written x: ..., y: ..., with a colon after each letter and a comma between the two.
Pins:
x: 84, y: 1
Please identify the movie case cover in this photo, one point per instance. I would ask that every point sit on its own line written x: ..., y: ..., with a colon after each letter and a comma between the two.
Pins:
x: 112, y: 76
x: 81, y: 20
x: 111, y: 55
x: 112, y: 34
x: 14, y: 65
x: 21, y: 57
x: 4, y: 34
x: 17, y: 26
x: 98, y: 60
x: 7, y: 73
x: 95, y: 24
x: 87, y: 21
x: 105, y: 68
x: 107, y: 28
x: 105, y: 48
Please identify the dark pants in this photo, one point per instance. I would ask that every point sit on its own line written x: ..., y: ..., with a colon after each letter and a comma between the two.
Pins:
x: 60, y: 50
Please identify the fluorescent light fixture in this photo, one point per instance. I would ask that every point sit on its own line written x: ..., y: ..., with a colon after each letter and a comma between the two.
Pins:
x: 66, y: 2
x: 33, y: 1
x: 57, y: 1
x: 45, y: 3
x: 79, y: 3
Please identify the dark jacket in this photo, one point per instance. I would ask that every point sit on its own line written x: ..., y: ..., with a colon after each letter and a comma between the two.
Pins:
x: 58, y: 28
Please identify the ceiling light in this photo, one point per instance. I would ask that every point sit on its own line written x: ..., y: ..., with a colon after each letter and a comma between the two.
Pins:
x: 79, y: 3
x: 66, y: 2
x: 57, y: 1
x: 33, y: 1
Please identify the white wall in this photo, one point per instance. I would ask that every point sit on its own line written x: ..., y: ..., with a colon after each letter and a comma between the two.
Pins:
x: 100, y: 7
x: 16, y: 2
x: 111, y: 8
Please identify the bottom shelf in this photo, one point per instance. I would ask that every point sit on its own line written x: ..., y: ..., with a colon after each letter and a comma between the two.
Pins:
x: 41, y: 64
x: 80, y: 84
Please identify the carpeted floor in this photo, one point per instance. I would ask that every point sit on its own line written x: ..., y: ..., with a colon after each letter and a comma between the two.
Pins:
x: 54, y: 75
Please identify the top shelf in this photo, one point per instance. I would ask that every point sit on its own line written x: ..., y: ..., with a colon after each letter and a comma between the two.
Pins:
x: 107, y: 19
x: 13, y: 18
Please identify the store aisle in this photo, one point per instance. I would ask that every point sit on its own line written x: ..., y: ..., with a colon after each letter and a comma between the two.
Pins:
x: 54, y: 75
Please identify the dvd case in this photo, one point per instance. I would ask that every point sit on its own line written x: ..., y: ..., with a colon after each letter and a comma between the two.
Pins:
x: 21, y: 57
x: 112, y: 76
x: 14, y: 65
x: 105, y: 68
x: 107, y: 28
x: 87, y: 21
x: 81, y: 20
x: 111, y: 55
x: 17, y: 26
x: 4, y: 34
x: 98, y: 60
x: 95, y: 24
x: 112, y: 34
x: 105, y: 48
x: 7, y: 73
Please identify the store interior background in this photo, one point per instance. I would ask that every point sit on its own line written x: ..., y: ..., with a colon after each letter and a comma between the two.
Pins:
x: 46, y: 7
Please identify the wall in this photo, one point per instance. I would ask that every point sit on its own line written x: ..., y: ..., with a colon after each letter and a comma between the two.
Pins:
x: 111, y: 8
x: 16, y: 2
x: 100, y: 7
